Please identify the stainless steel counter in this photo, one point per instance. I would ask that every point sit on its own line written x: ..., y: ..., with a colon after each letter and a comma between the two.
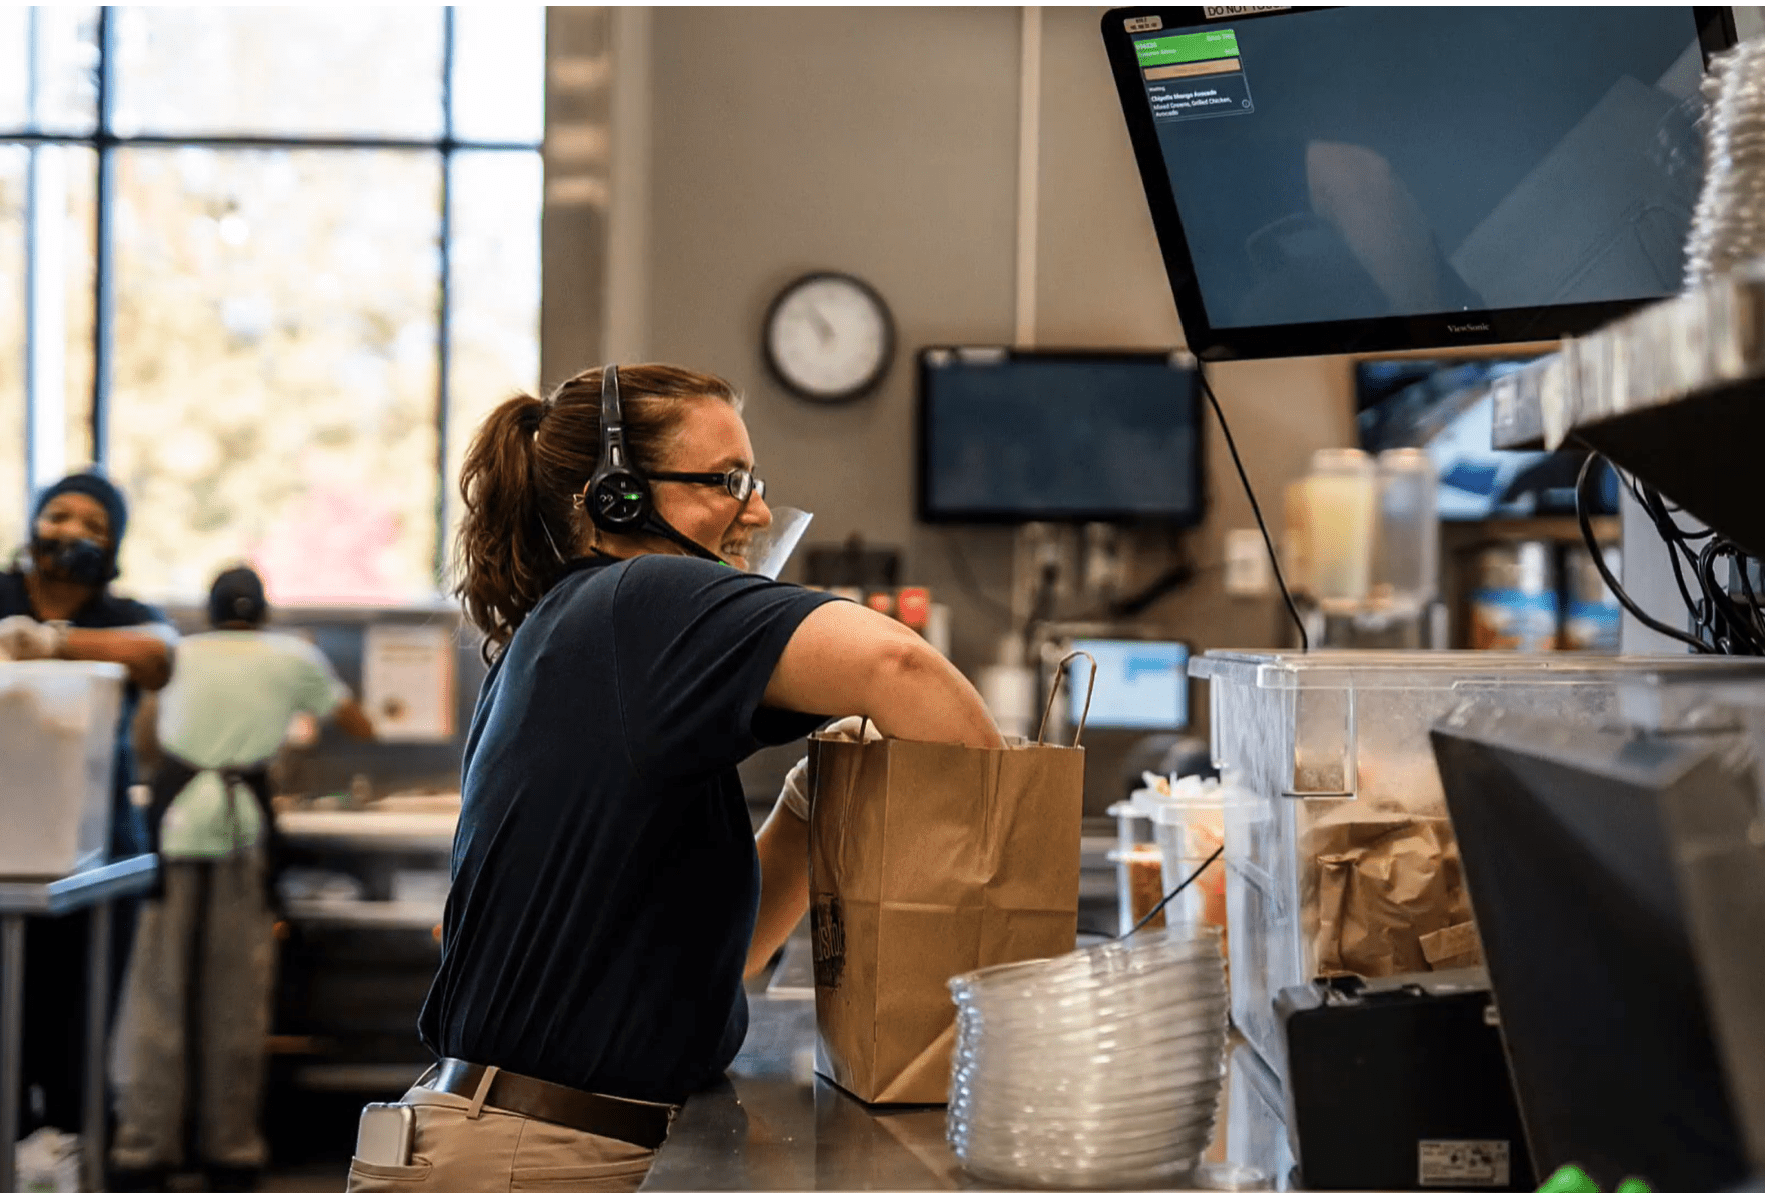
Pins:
x: 773, y: 1125
x: 94, y: 888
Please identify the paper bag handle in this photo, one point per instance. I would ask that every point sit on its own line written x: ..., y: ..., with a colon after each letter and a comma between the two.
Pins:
x: 1054, y: 690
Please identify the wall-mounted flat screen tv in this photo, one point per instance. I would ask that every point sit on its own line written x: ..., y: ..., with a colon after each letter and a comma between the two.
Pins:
x: 1013, y: 436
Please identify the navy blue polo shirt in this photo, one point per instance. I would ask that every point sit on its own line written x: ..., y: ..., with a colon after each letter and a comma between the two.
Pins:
x: 605, y: 882
x: 105, y: 611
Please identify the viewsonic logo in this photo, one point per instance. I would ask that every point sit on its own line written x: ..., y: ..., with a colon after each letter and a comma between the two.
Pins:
x: 1462, y: 328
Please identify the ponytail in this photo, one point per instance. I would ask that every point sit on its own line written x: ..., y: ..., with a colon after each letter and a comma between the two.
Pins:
x: 503, y: 561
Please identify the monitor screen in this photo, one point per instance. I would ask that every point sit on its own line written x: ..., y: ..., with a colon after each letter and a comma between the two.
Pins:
x: 1140, y: 685
x: 1356, y: 179
x: 1007, y: 436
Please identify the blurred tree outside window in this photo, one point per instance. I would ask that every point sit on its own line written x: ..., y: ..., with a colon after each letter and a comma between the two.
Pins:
x: 268, y: 267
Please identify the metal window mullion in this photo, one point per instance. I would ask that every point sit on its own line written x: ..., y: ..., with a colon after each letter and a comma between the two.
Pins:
x: 444, y: 297
x: 32, y: 373
x: 27, y: 136
x: 103, y: 272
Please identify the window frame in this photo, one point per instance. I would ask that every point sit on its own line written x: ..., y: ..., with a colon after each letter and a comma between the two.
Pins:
x: 105, y: 142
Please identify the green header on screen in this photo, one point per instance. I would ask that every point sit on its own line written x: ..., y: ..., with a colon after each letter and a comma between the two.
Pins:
x: 1187, y: 47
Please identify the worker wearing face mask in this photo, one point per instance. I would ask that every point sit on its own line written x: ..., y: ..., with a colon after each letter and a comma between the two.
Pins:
x: 56, y: 603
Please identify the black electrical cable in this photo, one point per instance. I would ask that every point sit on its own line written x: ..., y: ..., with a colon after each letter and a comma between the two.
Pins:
x: 1173, y: 578
x: 1255, y: 508
x: 1599, y: 562
x: 1181, y: 887
x: 1746, y: 585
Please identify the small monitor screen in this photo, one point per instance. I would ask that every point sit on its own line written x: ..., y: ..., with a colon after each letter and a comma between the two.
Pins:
x: 1140, y: 685
x: 1022, y: 437
x: 1365, y: 163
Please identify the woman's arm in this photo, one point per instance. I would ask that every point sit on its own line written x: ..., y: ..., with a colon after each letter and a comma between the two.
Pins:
x: 783, y: 845
x: 845, y: 660
x: 145, y: 654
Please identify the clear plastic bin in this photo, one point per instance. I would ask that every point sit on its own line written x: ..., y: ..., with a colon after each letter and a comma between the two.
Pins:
x: 1317, y: 743
x: 58, y: 724
x: 1257, y: 1139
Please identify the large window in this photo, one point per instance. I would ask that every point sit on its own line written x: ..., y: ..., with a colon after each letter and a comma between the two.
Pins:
x: 268, y: 267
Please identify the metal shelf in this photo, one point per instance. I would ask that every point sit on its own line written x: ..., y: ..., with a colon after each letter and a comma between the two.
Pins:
x: 1674, y: 393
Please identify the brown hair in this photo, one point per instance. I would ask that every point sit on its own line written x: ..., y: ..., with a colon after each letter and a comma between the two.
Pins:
x: 528, y: 461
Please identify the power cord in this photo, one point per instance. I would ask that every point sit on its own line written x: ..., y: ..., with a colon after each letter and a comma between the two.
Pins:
x: 1244, y: 478
x: 1181, y: 887
x: 1583, y: 516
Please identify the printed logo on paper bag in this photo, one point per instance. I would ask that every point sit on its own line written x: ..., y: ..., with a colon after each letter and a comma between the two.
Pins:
x: 827, y: 929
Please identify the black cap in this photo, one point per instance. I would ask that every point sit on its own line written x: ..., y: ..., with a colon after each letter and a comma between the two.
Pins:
x: 237, y: 595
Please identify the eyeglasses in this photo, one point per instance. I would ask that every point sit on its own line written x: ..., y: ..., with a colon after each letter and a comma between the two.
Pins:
x: 739, y: 483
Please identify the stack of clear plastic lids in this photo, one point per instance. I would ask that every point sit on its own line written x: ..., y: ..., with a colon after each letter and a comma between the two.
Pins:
x: 1728, y: 224
x: 1097, y: 1069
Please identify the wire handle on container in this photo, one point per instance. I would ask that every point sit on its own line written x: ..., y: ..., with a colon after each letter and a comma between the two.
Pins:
x: 1054, y: 690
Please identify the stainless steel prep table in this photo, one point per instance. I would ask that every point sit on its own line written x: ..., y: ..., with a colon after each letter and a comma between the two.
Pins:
x: 765, y: 1128
x: 19, y: 898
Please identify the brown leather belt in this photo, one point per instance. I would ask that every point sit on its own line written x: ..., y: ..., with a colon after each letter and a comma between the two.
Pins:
x: 644, y: 1124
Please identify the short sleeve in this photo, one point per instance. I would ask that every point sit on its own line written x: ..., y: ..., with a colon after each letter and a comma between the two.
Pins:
x: 694, y: 646
x: 317, y: 690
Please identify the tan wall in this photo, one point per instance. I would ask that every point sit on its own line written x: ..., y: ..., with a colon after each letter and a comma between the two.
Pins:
x: 883, y: 142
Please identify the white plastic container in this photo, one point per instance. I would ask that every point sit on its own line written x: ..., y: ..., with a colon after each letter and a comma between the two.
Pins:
x: 1138, y: 867
x: 1407, y: 561
x: 1342, y: 502
x: 1189, y: 826
x: 58, y: 726
x: 1314, y: 740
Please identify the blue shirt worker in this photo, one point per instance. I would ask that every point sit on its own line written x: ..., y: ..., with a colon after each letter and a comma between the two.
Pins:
x: 208, y: 936
x: 609, y: 891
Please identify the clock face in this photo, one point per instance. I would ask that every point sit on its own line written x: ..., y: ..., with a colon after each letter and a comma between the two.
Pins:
x: 829, y: 337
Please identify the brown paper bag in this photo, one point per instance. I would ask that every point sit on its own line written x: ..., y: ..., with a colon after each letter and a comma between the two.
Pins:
x: 1391, y: 899
x: 927, y: 861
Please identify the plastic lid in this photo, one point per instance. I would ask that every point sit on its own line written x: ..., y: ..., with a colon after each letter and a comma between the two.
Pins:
x: 1443, y: 669
x: 1188, y: 796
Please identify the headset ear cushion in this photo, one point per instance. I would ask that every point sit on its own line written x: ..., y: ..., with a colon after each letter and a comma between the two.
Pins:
x: 619, y: 501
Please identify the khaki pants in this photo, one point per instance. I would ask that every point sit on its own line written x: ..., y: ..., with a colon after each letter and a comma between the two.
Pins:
x: 203, y: 966
x: 455, y: 1151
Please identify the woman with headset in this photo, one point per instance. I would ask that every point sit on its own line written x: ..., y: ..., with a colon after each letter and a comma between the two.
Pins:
x: 608, y: 892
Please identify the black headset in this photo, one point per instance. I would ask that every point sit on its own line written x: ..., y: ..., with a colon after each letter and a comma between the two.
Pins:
x: 617, y: 495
